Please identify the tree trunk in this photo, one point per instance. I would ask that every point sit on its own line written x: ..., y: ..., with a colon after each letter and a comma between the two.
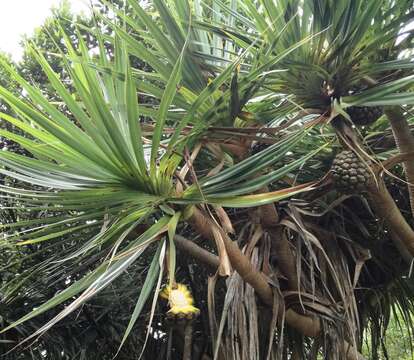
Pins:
x: 285, y: 257
x: 385, y: 207
x: 188, y: 339
x: 405, y: 143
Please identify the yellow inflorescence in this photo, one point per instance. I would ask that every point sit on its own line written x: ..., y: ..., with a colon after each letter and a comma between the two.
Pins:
x: 180, y: 301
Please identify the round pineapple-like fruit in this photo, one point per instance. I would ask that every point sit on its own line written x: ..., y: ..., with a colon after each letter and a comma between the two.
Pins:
x: 364, y: 115
x: 351, y: 175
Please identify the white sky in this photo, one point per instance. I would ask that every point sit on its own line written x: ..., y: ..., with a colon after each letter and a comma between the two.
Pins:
x: 19, y: 17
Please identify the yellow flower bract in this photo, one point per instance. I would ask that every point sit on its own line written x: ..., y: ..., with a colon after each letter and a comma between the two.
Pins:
x: 180, y: 300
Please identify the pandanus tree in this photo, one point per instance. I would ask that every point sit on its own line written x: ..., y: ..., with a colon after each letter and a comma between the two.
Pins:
x: 229, y: 163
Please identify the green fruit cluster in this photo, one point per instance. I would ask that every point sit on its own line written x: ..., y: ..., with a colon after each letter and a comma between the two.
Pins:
x: 351, y: 175
x: 364, y: 115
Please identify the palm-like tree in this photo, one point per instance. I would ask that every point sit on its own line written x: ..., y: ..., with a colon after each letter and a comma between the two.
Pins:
x: 225, y: 75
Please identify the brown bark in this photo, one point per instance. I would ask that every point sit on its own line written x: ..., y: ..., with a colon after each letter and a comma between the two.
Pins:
x: 351, y: 352
x: 285, y: 257
x: 268, y: 215
x: 197, y: 252
x: 201, y: 223
x: 269, y: 219
x: 384, y: 205
x: 265, y: 215
x: 237, y: 150
x: 188, y: 340
x: 405, y: 144
x: 404, y: 140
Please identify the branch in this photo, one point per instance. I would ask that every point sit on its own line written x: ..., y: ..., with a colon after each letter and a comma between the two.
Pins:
x: 391, y: 162
x: 197, y: 252
x: 403, y: 138
x: 405, y: 143
x: 384, y: 205
x: 306, y: 325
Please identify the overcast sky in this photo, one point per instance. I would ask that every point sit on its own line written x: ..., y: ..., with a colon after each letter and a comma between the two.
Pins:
x: 19, y: 17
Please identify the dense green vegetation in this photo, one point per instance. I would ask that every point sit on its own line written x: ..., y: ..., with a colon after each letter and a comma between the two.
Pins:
x: 397, y: 342
x: 170, y: 142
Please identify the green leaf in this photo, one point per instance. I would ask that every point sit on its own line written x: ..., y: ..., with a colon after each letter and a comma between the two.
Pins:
x: 95, y: 281
x: 384, y: 94
x: 166, y: 101
x: 146, y: 290
x: 258, y: 199
x: 172, y: 227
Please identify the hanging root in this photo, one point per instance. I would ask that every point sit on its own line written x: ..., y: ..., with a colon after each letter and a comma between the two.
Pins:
x: 188, y: 340
x: 306, y: 325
